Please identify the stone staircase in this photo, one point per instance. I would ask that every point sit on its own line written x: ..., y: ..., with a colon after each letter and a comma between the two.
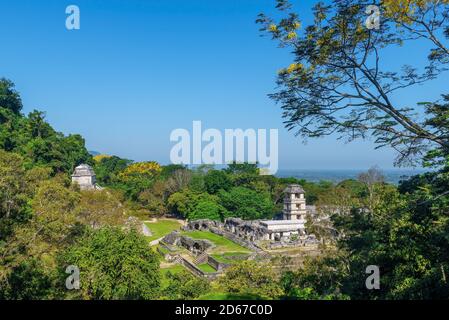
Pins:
x: 202, y: 258
x: 178, y: 259
x: 260, y: 255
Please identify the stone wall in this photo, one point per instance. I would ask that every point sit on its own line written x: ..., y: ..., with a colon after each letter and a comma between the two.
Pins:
x: 217, y: 265
x: 252, y: 234
x: 223, y: 229
x: 196, y: 246
x: 195, y: 270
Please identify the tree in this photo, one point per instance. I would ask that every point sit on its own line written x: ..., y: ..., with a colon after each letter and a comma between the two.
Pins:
x: 138, y: 177
x: 404, y: 236
x: 113, y: 264
x: 337, y: 84
x: 153, y: 199
x: 30, y: 280
x: 207, y: 209
x: 29, y: 253
x: 169, y: 170
x: 34, y: 139
x: 184, y: 286
x: 107, y: 168
x: 178, y: 180
x: 13, y: 199
x: 216, y: 180
x: 37, y: 125
x: 9, y: 97
x: 438, y: 118
x: 194, y: 205
x: 100, y: 208
x: 317, y: 278
x: 242, y: 168
x: 250, y: 278
x: 422, y: 19
x: 372, y: 178
x: 246, y: 203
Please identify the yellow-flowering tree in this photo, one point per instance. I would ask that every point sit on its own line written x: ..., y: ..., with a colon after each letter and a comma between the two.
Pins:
x: 139, y: 176
x: 100, y: 157
x: 427, y: 19
x: 147, y: 169
x: 338, y: 83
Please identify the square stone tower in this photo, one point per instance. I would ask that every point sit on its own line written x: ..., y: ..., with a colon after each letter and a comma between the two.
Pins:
x: 85, y: 177
x: 294, y: 203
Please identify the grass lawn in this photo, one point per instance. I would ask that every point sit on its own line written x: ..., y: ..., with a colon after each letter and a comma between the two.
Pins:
x: 205, y: 267
x: 222, y: 244
x: 174, y: 269
x: 230, y: 257
x: 161, y: 228
x: 162, y: 249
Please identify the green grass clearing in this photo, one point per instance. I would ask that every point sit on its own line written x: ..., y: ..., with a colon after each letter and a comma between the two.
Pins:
x: 222, y: 244
x: 205, y: 267
x: 230, y: 257
x: 161, y: 228
x: 162, y: 249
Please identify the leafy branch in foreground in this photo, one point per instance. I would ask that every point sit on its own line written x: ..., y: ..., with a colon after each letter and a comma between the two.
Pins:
x: 338, y: 83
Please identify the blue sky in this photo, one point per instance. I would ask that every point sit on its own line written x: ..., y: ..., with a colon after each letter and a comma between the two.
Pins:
x: 138, y: 69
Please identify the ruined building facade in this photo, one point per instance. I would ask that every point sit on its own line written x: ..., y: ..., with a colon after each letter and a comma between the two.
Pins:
x: 85, y: 177
x: 290, y: 230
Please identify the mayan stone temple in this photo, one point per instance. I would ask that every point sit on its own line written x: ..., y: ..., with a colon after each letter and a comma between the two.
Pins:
x: 85, y: 177
x: 290, y: 231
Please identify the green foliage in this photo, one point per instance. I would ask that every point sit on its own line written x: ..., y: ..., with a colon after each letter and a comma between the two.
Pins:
x: 336, y: 50
x: 9, y: 97
x: 355, y: 187
x: 107, y: 169
x: 46, y: 224
x: 318, y: 278
x: 184, y: 286
x: 216, y: 180
x: 243, y: 168
x: 438, y: 119
x: 138, y: 177
x: 169, y: 170
x: 246, y: 203
x: 13, y: 199
x: 315, y: 190
x: 34, y: 139
x: 197, y: 182
x: 250, y: 278
x: 114, y: 264
x: 207, y: 209
x: 193, y: 205
x: 29, y: 281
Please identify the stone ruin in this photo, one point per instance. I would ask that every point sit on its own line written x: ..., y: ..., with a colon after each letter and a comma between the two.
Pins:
x: 290, y: 231
x: 85, y: 177
x: 252, y: 233
x: 196, y: 246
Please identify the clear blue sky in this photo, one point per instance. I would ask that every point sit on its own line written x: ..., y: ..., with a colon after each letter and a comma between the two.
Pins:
x: 138, y: 69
